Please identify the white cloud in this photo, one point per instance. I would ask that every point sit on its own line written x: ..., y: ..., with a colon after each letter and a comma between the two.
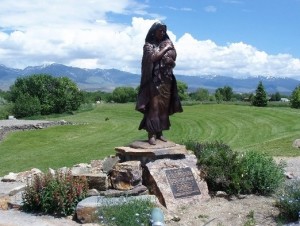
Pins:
x: 80, y: 33
x: 180, y: 9
x: 68, y: 32
x: 71, y: 13
x: 235, y: 59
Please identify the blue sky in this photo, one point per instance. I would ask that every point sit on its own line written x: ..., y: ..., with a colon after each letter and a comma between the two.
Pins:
x: 269, y: 25
x: 238, y: 38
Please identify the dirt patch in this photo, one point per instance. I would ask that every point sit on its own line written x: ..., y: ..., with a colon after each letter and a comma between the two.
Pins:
x: 258, y: 210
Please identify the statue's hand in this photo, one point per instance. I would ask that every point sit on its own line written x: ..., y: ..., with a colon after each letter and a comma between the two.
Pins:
x: 169, y: 46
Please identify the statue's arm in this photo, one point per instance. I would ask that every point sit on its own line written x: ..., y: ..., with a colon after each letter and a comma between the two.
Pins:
x: 156, y: 55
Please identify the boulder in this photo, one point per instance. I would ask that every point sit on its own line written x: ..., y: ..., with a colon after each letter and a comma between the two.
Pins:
x: 22, y: 176
x: 93, y: 192
x: 126, y: 175
x: 176, y: 182
x: 296, y: 143
x: 97, y: 181
x: 86, y: 210
x: 109, y: 163
x: 96, y: 166
x: 16, y: 201
x: 137, y: 190
x: 81, y: 168
x: 11, y: 177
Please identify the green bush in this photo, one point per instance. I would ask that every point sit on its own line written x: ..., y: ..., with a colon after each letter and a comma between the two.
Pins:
x: 261, y: 175
x: 220, y: 165
x: 133, y: 213
x: 234, y: 173
x: 288, y: 201
x: 54, y: 194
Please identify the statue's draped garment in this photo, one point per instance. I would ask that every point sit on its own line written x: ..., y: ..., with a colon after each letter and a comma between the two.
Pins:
x: 158, y: 95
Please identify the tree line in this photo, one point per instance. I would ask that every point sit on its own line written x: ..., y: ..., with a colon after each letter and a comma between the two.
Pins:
x: 43, y: 94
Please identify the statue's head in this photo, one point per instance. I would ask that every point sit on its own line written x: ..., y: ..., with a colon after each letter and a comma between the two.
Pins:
x: 157, y: 32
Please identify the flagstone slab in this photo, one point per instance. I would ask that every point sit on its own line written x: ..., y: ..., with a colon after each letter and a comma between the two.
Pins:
x: 144, y: 152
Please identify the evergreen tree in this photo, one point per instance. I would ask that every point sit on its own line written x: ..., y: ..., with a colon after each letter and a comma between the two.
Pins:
x: 260, y: 98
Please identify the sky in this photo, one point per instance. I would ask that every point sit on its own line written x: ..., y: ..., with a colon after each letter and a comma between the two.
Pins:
x: 237, y: 38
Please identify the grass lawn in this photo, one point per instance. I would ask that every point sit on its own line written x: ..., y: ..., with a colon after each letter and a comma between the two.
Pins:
x: 97, y: 132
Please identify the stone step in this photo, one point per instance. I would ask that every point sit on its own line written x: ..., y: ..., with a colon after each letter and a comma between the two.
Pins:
x: 144, y: 152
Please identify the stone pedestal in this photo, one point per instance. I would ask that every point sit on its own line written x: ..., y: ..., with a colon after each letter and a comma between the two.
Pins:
x: 170, y: 172
x: 144, y: 152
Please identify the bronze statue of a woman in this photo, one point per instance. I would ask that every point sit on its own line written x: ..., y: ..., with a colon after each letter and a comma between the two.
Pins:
x: 158, y: 96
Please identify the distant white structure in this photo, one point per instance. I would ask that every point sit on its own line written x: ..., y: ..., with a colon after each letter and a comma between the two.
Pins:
x: 284, y: 100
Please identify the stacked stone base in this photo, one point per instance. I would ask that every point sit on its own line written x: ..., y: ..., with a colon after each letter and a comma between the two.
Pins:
x: 164, y: 165
x: 165, y: 173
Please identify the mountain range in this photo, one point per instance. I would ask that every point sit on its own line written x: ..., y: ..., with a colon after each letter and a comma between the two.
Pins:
x: 108, y: 79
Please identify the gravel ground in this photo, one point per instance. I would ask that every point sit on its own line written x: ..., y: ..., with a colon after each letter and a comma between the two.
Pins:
x: 18, y: 218
x: 17, y: 122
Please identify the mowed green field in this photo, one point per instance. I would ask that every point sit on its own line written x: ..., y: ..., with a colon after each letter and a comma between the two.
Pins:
x: 97, y: 132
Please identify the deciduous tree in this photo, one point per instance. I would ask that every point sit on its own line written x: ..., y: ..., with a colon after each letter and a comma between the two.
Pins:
x: 225, y: 93
x: 182, y: 90
x: 295, y: 97
x: 124, y: 94
x: 201, y: 94
x: 52, y: 94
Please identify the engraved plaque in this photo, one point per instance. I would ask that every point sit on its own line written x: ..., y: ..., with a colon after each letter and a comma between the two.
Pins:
x: 182, y: 182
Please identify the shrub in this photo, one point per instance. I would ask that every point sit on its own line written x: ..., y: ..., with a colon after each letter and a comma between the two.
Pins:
x: 288, y: 201
x: 250, y: 219
x: 261, y: 175
x: 220, y: 165
x: 227, y: 170
x: 133, y: 212
x: 54, y: 194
